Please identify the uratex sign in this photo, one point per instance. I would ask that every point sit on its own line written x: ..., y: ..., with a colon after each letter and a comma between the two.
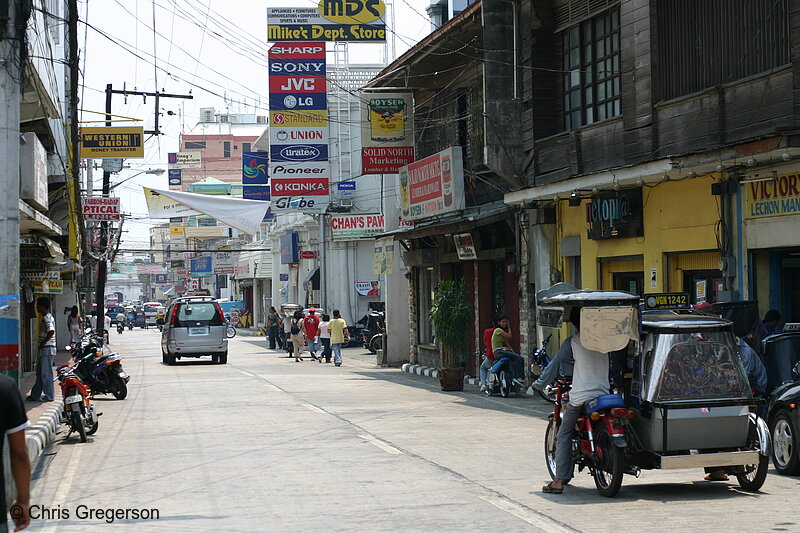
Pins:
x: 356, y: 21
x: 615, y: 214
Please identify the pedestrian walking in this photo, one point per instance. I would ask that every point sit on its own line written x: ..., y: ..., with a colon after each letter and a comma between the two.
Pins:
x: 311, y: 323
x: 13, y: 422
x: 287, y: 334
x: 325, y: 338
x: 298, y: 335
x: 339, y: 332
x: 273, y: 329
x: 93, y: 321
x: 74, y: 323
x: 44, y: 390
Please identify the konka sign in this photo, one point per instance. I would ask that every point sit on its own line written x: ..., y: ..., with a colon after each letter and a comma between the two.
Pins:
x: 99, y: 208
x: 307, y: 195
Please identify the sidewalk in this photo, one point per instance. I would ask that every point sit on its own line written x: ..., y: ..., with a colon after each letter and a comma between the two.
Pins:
x: 43, y: 416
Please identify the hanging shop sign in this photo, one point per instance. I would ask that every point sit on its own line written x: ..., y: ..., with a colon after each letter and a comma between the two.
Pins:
x: 615, y: 215
x: 667, y: 300
x: 387, y: 136
x: 48, y: 286
x: 346, y: 189
x: 465, y: 247
x: 432, y: 186
x: 254, y: 168
x: 224, y: 263
x: 773, y: 198
x: 368, y: 288
x: 354, y: 227
x: 175, y: 179
x: 106, y: 142
x: 185, y: 159
x: 357, y: 21
x: 100, y: 208
x: 384, y: 256
x: 289, y: 253
x: 201, y: 267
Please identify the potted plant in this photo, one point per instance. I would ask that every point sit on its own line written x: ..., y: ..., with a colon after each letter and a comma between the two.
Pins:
x: 449, y: 316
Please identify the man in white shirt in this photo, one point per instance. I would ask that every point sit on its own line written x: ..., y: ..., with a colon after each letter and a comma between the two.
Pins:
x: 589, y: 380
x: 44, y: 390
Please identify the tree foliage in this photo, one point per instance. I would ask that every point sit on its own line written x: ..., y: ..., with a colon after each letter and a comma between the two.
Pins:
x: 450, y: 314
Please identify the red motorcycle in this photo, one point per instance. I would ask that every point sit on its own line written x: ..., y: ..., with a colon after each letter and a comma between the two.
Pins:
x: 599, y: 442
x: 79, y: 411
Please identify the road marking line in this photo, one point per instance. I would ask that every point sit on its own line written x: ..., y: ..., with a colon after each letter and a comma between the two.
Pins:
x: 538, y: 520
x: 246, y: 373
x: 313, y: 408
x: 380, y: 444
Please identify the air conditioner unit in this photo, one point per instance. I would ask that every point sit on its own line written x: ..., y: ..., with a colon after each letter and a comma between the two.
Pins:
x: 261, y: 119
x: 234, y: 119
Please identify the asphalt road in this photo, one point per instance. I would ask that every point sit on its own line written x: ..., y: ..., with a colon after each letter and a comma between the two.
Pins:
x: 267, y: 444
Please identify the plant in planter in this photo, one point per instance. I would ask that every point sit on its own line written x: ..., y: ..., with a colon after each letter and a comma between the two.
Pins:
x: 449, y: 315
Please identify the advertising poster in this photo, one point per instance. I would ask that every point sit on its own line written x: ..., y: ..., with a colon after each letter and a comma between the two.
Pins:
x: 185, y: 160
x: 368, y: 288
x: 201, y: 267
x: 387, y: 136
x: 432, y: 186
x: 112, y: 141
x: 384, y: 256
x: 357, y: 21
x: 101, y: 208
x: 175, y: 179
x: 354, y: 227
x: 255, y: 168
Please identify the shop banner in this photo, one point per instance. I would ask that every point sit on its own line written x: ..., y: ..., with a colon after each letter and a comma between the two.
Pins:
x: 384, y: 256
x: 110, y: 142
x: 278, y: 135
x: 254, y: 168
x: 307, y: 169
x: 244, y: 215
x: 357, y: 21
x: 175, y: 179
x: 48, y: 286
x: 368, y: 288
x: 224, y: 262
x: 354, y: 227
x: 773, y: 198
x: 101, y: 208
x: 201, y: 267
x: 465, y: 247
x: 432, y: 186
x: 179, y: 160
x: 387, y: 135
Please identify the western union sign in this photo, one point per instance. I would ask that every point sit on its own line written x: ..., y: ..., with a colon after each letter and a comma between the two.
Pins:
x: 100, y: 143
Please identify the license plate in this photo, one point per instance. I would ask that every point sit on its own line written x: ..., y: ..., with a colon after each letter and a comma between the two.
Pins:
x: 77, y: 398
x: 198, y: 331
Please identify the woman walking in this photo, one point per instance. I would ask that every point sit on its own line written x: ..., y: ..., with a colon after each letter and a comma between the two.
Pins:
x: 325, y: 338
x: 74, y: 324
x: 298, y: 331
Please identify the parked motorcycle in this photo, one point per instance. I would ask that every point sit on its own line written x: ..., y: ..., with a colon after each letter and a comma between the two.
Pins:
x: 102, y: 372
x: 372, y: 326
x: 79, y: 411
x: 499, y: 379
x: 539, y: 361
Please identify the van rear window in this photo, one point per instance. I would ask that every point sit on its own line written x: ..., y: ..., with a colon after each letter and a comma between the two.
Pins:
x: 204, y: 314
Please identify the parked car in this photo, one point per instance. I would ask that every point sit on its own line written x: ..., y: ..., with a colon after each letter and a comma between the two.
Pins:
x: 194, y: 327
x: 782, y: 360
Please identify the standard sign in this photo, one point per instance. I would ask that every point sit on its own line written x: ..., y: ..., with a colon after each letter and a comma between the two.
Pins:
x: 358, y: 21
x: 102, y: 143
x: 352, y: 227
x: 100, y: 208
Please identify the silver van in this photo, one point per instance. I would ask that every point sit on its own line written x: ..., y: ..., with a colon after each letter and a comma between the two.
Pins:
x: 193, y: 327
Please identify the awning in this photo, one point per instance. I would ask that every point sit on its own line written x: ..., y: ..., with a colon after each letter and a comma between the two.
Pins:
x: 54, y: 250
x: 472, y: 217
x: 205, y: 232
x: 31, y: 220
x: 313, y: 279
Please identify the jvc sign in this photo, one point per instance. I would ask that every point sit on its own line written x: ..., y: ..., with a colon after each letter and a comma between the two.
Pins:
x: 615, y: 214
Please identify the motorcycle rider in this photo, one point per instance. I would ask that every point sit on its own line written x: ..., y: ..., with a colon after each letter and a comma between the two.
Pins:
x: 562, y: 364
x: 501, y: 338
x: 589, y: 380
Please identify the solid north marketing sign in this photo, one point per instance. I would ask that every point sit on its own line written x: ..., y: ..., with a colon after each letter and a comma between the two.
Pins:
x: 300, y: 171
x: 358, y: 21
x: 111, y: 142
x: 387, y: 136
x: 432, y: 186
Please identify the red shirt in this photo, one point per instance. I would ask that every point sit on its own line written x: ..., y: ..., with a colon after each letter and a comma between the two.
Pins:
x: 312, y: 325
x: 487, y: 342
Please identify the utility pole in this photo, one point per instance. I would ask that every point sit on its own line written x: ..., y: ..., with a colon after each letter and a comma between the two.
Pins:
x: 13, y: 21
x: 102, y: 267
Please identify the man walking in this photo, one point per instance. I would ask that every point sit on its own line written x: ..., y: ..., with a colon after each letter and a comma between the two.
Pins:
x: 273, y: 327
x: 311, y: 322
x: 43, y: 389
x: 13, y: 422
x: 338, y: 330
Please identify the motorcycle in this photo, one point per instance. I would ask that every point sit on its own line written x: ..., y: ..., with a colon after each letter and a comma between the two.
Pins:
x: 120, y: 327
x: 540, y: 361
x: 102, y: 372
x: 370, y: 330
x: 79, y: 411
x: 499, y: 379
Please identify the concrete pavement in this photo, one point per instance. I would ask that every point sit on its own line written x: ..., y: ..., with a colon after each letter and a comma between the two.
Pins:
x: 267, y: 444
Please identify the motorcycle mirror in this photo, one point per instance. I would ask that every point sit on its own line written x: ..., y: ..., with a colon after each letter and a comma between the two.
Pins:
x: 796, y: 369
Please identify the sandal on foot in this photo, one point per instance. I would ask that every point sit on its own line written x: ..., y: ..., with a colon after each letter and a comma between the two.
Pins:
x: 550, y: 489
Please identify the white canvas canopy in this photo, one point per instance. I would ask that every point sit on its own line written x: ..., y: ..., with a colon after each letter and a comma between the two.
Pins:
x: 244, y: 215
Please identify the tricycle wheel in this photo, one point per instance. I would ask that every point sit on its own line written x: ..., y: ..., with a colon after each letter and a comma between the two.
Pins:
x: 609, y: 465
x: 754, y: 477
x: 550, y: 447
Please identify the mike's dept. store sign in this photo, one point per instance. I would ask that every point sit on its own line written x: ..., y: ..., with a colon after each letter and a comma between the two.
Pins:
x: 331, y: 20
x: 772, y: 198
x: 352, y: 227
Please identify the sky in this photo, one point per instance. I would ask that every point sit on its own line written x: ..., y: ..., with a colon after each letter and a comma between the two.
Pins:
x: 215, y: 49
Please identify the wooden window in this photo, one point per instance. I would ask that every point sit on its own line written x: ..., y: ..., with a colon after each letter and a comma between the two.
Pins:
x: 226, y: 149
x: 195, y: 145
x: 590, y: 59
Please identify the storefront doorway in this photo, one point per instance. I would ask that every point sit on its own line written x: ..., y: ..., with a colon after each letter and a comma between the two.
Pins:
x: 623, y: 274
x: 790, y: 280
x: 632, y: 282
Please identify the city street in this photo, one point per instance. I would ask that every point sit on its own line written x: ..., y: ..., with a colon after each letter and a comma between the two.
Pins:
x: 267, y: 444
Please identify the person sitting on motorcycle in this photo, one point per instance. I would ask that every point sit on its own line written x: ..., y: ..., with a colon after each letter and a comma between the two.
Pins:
x: 120, y: 318
x: 589, y: 380
x: 561, y: 365
x: 501, y: 338
x: 486, y: 364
